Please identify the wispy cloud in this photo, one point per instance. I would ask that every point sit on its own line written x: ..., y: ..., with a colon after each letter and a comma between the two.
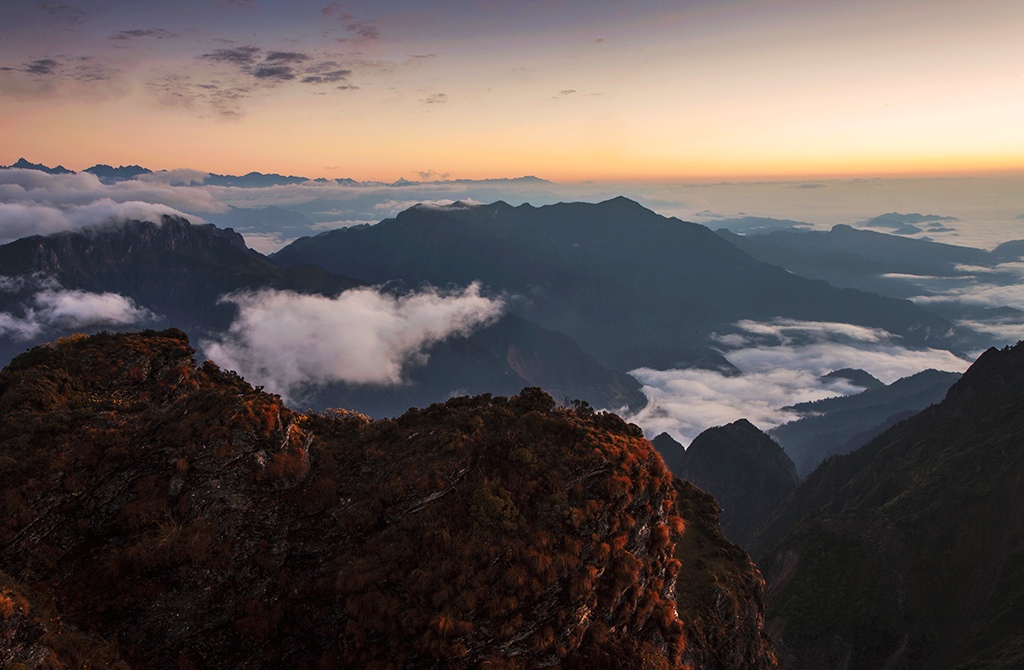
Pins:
x: 140, y: 33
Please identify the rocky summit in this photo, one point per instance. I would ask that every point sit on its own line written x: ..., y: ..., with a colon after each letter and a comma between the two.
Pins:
x: 160, y: 513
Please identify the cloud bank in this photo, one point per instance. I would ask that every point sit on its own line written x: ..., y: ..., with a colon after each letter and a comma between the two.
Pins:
x: 291, y: 342
x: 36, y: 203
x: 781, y: 362
x: 55, y: 307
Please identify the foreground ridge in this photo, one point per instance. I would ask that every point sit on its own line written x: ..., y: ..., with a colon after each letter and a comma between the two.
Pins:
x: 160, y: 513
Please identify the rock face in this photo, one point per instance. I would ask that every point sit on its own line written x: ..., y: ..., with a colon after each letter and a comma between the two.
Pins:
x: 174, y: 517
x: 909, y: 552
x: 721, y: 595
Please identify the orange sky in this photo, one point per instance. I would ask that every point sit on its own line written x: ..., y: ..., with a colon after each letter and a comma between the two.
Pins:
x: 643, y: 90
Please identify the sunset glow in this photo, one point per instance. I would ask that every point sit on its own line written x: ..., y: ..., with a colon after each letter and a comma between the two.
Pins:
x: 646, y: 90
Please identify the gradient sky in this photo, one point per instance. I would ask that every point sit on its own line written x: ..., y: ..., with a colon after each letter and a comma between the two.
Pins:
x: 600, y: 90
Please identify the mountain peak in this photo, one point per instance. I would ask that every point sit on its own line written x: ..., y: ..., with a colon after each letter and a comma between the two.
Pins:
x: 26, y: 165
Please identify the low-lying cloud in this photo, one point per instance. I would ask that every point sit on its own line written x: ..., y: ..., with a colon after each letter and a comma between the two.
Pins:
x: 68, y: 309
x: 781, y: 363
x: 22, y: 220
x: 291, y: 342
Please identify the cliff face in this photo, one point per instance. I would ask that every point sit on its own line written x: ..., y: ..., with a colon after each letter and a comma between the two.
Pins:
x: 171, y: 516
x: 908, y: 552
x: 721, y: 595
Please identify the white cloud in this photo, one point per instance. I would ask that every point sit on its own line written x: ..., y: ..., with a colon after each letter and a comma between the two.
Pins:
x: 56, y: 307
x: 781, y: 363
x: 65, y: 191
x: 22, y: 220
x: 289, y: 341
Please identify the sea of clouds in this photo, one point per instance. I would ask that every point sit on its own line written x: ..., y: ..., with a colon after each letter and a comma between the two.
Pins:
x: 289, y: 342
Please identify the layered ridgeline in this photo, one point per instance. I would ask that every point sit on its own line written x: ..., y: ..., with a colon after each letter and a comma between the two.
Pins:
x: 163, y: 514
x: 841, y: 424
x: 630, y: 286
x: 890, y: 264
x: 178, y: 274
x: 909, y: 552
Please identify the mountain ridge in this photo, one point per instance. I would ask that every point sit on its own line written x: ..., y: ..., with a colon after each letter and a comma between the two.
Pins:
x: 199, y: 522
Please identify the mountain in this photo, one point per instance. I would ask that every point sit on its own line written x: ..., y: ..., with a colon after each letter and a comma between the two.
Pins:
x: 855, y: 376
x: 179, y: 272
x: 165, y: 514
x: 499, y: 359
x: 112, y: 175
x: 631, y: 287
x: 173, y: 268
x: 861, y: 259
x: 841, y: 424
x: 746, y: 471
x: 25, y: 165
x: 909, y: 552
x: 252, y: 180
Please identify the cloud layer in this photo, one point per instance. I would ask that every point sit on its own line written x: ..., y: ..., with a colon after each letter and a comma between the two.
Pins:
x: 781, y: 363
x: 54, y: 307
x: 36, y: 203
x: 291, y: 342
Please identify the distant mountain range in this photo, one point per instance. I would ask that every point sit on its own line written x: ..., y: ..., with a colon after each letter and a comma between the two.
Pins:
x: 841, y: 424
x: 872, y: 261
x: 632, y: 287
x: 109, y: 175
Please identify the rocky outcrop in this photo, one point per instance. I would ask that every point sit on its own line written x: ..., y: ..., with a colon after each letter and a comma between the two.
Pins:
x: 171, y: 509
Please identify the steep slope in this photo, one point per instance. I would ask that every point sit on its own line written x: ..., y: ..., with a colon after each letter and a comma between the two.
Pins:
x: 720, y: 593
x: 841, y: 424
x: 195, y: 522
x: 907, y: 553
x: 746, y: 471
x: 632, y: 287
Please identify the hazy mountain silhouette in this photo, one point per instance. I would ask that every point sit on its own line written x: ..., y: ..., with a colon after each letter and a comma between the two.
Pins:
x: 632, y: 287
x: 841, y: 424
x: 746, y: 471
x: 180, y: 271
x: 861, y: 259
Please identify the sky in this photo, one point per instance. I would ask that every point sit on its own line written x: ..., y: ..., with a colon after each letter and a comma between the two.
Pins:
x: 642, y: 90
